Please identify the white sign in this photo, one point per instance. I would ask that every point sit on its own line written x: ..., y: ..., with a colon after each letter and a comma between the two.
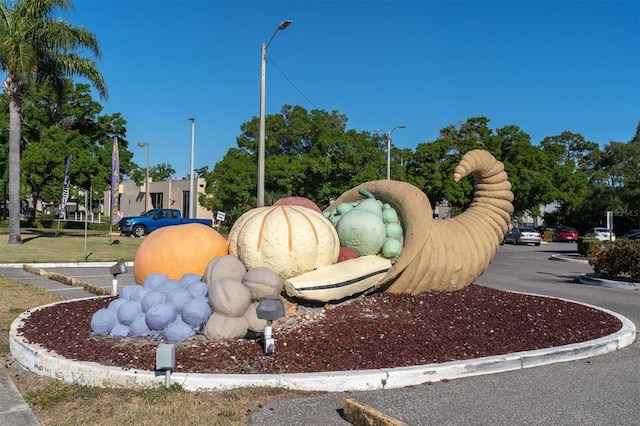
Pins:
x: 220, y: 216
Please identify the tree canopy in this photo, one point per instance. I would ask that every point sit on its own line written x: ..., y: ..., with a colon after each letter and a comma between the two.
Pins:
x: 35, y: 45
x: 313, y: 154
x: 308, y: 153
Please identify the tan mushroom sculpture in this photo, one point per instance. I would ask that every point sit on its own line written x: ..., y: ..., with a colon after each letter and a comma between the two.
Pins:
x: 449, y: 254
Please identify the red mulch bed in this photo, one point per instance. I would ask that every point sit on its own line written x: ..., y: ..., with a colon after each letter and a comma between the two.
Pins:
x: 377, y: 331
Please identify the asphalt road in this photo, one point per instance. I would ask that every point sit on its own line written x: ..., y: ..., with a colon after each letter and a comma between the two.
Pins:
x: 603, y: 390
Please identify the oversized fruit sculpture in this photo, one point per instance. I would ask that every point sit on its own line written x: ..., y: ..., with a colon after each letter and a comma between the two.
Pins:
x: 444, y: 255
x: 298, y: 201
x: 289, y: 239
x: 177, y: 250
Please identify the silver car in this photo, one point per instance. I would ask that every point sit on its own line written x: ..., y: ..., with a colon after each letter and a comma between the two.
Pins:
x: 603, y: 234
x: 522, y: 235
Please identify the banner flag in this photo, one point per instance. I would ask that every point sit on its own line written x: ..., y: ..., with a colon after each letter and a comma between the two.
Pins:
x: 62, y: 213
x: 115, y: 182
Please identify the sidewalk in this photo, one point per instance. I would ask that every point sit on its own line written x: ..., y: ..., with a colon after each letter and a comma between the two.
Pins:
x: 14, y: 410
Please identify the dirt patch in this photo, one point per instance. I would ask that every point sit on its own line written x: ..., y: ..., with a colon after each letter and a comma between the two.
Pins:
x: 24, y: 380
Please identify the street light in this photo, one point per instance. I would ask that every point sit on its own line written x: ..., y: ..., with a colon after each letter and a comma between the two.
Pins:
x: 191, y: 178
x: 263, y: 58
x: 401, y: 126
x: 146, y: 185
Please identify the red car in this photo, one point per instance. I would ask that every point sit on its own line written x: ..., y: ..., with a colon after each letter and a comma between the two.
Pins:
x: 565, y: 234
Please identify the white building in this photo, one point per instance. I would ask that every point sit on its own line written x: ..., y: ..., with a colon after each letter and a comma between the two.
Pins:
x: 170, y: 194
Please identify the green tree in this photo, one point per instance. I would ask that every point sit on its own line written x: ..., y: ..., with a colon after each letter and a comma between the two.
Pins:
x: 432, y: 167
x: 200, y: 172
x: 231, y: 184
x: 158, y: 173
x: 308, y: 153
x: 615, y: 185
x: 37, y: 46
x: 570, y: 159
x: 56, y: 126
x: 530, y: 176
x: 161, y: 172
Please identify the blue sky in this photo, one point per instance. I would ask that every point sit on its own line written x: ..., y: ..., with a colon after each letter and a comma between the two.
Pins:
x: 545, y: 66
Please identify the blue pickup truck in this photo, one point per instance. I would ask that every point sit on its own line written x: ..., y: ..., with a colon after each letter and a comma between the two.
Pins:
x: 151, y: 220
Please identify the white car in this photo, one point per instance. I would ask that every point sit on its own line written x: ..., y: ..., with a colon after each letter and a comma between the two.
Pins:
x: 603, y: 234
x: 522, y: 235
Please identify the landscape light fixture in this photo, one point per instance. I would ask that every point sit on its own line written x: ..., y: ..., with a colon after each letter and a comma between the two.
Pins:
x: 165, y: 360
x: 270, y: 310
x: 117, y: 269
x: 263, y: 59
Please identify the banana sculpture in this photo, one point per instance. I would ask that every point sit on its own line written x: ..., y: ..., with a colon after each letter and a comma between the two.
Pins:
x: 449, y: 254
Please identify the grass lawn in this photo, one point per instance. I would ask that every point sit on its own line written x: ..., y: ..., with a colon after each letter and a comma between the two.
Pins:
x: 57, y: 403
x: 44, y: 246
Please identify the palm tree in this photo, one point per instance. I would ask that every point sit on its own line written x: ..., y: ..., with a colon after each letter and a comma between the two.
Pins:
x: 37, y: 47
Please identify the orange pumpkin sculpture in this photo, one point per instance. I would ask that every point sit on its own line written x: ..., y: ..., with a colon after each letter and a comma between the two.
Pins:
x: 177, y: 250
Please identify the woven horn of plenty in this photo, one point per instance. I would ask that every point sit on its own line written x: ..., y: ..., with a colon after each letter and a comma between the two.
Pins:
x: 445, y: 254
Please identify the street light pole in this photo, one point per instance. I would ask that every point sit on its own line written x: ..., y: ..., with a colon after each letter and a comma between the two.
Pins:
x: 261, y: 154
x: 401, y: 126
x: 192, y: 196
x: 146, y: 184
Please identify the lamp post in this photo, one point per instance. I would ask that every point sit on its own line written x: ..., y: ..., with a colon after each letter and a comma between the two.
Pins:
x: 263, y: 58
x: 146, y: 184
x: 192, y: 197
x: 401, y: 126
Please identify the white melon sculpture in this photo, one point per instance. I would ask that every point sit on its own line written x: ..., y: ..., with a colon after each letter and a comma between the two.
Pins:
x: 290, y: 240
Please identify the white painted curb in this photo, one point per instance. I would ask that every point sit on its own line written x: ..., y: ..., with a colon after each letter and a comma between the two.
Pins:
x: 64, y: 265
x: 39, y: 360
x: 564, y: 259
x: 590, y: 280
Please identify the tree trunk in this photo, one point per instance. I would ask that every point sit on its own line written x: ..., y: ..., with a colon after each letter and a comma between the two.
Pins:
x: 15, y: 112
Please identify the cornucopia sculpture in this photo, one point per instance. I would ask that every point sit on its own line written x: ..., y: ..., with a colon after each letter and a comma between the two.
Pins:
x: 444, y: 254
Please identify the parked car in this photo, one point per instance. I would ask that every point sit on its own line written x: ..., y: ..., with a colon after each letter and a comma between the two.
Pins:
x: 603, y: 234
x: 522, y: 235
x: 154, y: 219
x: 633, y: 235
x: 565, y: 234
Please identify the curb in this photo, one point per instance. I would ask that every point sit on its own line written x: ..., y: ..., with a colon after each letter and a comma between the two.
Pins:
x: 89, y: 287
x: 358, y: 413
x: 564, y: 259
x: 63, y: 265
x: 39, y: 360
x: 591, y: 280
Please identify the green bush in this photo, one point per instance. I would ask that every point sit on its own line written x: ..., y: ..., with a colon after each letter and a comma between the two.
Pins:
x: 586, y: 244
x: 618, y: 259
x: 48, y: 221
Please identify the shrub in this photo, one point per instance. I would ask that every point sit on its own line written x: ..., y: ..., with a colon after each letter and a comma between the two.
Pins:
x: 618, y: 259
x: 586, y: 244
